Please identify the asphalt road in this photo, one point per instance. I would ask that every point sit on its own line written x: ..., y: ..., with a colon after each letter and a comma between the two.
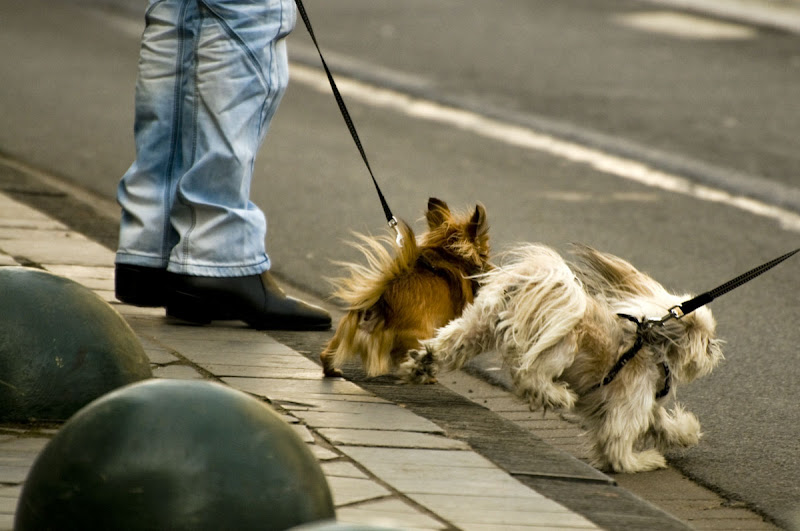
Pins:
x: 722, y: 112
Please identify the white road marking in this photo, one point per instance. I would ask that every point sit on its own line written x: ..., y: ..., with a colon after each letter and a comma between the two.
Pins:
x: 685, y: 26
x: 526, y: 138
x: 521, y: 137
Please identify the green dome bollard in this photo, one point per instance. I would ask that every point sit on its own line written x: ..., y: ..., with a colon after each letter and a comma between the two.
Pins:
x: 177, y: 455
x: 61, y: 346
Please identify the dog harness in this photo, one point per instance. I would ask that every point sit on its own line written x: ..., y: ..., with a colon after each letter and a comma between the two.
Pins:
x: 679, y: 311
x: 642, y: 331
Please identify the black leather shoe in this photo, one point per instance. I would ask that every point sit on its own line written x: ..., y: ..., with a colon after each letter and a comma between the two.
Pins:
x: 140, y: 286
x: 257, y: 300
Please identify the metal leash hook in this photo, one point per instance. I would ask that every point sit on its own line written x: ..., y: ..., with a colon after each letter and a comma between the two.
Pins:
x: 674, y: 313
x: 394, y: 225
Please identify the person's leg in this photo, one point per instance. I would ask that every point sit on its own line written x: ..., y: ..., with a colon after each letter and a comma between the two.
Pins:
x: 147, y: 190
x: 240, y: 74
x: 227, y: 83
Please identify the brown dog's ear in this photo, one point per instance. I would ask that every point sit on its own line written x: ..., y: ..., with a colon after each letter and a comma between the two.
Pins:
x: 478, y: 224
x: 437, y: 213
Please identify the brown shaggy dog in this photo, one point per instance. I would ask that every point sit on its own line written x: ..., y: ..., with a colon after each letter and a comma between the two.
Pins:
x: 400, y: 298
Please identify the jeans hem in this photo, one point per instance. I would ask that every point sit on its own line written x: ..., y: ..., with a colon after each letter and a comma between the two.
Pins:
x: 204, y: 270
x: 227, y: 270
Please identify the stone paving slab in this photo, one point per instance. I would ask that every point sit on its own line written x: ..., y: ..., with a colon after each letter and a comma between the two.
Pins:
x: 58, y: 248
x: 389, y: 513
x: 394, y: 439
x: 486, y: 512
x: 377, y: 417
x: 16, y: 215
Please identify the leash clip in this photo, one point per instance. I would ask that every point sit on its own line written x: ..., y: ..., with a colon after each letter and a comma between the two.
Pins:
x: 676, y: 312
x: 393, y: 224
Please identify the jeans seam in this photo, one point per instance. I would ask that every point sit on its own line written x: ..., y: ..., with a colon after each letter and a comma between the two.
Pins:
x: 195, y: 111
x: 176, y: 123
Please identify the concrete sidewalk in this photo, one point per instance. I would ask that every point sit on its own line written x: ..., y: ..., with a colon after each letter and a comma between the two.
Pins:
x: 384, y: 463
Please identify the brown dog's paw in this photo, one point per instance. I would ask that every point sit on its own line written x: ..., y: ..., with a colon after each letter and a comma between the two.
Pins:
x: 332, y: 372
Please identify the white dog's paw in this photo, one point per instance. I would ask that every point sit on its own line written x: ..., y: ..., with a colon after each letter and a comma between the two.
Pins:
x: 551, y: 397
x: 419, y: 367
x: 677, y: 428
x: 631, y: 462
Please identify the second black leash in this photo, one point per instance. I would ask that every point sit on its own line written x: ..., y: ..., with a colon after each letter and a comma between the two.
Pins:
x: 390, y: 219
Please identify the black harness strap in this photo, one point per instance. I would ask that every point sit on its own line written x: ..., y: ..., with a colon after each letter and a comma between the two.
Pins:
x: 629, y: 354
x: 641, y: 329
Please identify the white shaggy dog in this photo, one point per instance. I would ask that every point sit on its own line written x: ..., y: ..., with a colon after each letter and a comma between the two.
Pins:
x: 563, y: 330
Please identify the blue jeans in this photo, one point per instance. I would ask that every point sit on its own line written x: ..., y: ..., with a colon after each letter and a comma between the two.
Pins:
x: 211, y: 76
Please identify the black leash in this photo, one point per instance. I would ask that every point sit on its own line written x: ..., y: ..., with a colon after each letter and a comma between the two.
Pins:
x: 679, y: 311
x: 390, y: 219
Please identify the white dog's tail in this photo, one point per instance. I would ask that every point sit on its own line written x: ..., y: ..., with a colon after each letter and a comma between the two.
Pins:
x: 544, y: 300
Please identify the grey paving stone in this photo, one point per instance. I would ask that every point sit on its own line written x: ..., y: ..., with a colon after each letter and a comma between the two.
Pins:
x: 10, y: 491
x: 15, y: 214
x: 414, y: 456
x: 135, y: 311
x: 277, y: 389
x: 446, y: 476
x: 32, y: 235
x: 322, y: 453
x: 93, y: 277
x: 351, y: 490
x: 559, y: 433
x: 59, y: 249
x: 380, y: 417
x: 273, y: 370
x: 24, y: 445
x: 178, y: 372
x: 157, y: 354
x: 470, y: 386
x: 246, y: 359
x: 353, y: 404
x: 8, y: 505
x: 155, y: 324
x: 342, y: 469
x: 106, y: 295
x: 13, y: 474
x: 303, y: 432
x: 82, y: 272
x: 499, y: 404
x: 470, y: 512
x: 205, y: 341
x: 390, y: 439
x: 313, y: 403
x: 392, y: 513
x: 18, y: 459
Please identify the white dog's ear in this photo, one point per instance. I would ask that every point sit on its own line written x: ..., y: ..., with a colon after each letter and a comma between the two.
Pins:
x: 692, y: 346
x: 437, y: 213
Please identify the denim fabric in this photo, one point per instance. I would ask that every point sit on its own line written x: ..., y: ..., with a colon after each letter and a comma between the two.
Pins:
x: 211, y: 75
